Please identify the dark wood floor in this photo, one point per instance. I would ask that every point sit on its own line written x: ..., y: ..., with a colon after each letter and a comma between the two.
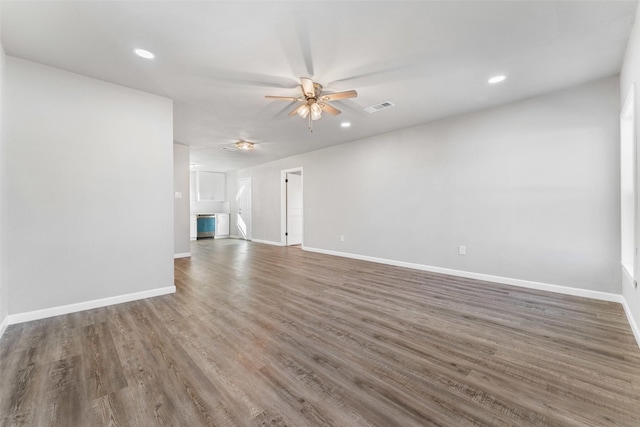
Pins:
x: 264, y: 335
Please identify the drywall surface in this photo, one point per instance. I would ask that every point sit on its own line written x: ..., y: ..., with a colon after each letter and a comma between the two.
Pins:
x: 630, y: 71
x: 531, y: 189
x: 89, y: 179
x: 181, y: 238
x: 4, y: 308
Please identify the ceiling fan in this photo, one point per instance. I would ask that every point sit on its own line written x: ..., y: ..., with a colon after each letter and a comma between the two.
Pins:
x: 313, y: 101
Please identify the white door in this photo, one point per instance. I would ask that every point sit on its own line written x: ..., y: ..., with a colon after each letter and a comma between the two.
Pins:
x: 243, y: 198
x: 294, y: 209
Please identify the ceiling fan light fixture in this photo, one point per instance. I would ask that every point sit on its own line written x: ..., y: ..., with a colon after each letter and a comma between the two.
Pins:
x: 244, y: 145
x: 303, y: 111
x: 316, y: 111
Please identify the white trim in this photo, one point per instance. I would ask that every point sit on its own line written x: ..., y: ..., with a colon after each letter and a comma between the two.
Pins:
x: 604, y: 296
x: 87, y: 305
x: 267, y: 242
x: 3, y: 325
x: 627, y: 118
x: 634, y: 326
x: 184, y: 255
x: 249, y: 235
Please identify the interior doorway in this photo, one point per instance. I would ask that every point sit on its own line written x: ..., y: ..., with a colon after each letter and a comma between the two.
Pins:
x: 292, y: 207
x: 243, y: 199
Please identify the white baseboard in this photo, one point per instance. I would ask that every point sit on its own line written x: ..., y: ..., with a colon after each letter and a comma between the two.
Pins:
x: 184, y: 255
x: 604, y: 296
x: 87, y: 305
x: 267, y: 242
x: 3, y: 325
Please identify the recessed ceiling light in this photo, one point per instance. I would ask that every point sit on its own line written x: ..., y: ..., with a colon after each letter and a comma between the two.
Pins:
x: 497, y: 79
x: 345, y: 124
x: 144, y: 53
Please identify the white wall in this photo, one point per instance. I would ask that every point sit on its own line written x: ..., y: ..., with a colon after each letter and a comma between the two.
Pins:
x: 629, y: 74
x: 181, y: 238
x: 630, y: 71
x: 4, y: 307
x: 531, y: 189
x: 89, y: 180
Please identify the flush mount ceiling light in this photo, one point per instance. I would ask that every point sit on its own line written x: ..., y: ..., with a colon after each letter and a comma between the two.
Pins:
x: 244, y: 145
x: 497, y: 79
x: 345, y: 124
x: 144, y: 53
x: 314, y: 102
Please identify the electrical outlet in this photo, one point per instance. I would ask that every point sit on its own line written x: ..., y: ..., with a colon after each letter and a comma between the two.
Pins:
x: 342, y: 237
x: 462, y: 250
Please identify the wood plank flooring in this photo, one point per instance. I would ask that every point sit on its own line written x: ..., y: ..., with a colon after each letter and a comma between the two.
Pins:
x: 259, y: 335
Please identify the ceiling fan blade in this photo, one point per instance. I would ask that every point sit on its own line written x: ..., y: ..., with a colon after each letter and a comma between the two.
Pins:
x: 329, y: 109
x: 339, y: 95
x: 302, y: 28
x: 284, y: 98
x: 307, y: 87
x: 242, y: 78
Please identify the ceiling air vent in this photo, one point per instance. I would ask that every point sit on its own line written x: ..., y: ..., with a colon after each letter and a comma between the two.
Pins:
x: 378, y: 107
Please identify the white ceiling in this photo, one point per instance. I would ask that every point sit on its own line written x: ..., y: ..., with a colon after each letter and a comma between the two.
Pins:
x: 217, y: 60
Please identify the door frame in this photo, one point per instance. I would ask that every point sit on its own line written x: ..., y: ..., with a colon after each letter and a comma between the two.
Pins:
x: 249, y: 234
x: 283, y: 203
